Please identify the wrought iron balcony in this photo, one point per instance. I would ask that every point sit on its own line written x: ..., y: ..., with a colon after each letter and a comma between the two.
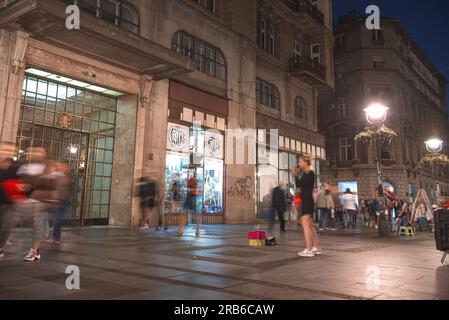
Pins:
x: 305, y: 68
x: 305, y: 6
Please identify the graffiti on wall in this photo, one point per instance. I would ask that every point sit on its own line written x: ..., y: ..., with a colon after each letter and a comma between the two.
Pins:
x: 243, y: 187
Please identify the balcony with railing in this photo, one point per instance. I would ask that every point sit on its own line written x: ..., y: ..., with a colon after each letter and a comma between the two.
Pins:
x: 305, y: 7
x: 309, y: 71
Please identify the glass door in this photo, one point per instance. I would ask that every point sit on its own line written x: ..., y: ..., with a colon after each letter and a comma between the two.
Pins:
x: 67, y: 147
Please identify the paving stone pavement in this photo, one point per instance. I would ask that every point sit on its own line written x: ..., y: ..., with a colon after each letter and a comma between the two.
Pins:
x: 125, y: 263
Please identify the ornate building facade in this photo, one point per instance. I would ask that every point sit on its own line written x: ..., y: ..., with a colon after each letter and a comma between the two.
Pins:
x: 386, y: 66
x: 149, y: 87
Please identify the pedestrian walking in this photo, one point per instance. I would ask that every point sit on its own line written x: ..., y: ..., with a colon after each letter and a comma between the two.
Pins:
x: 40, y: 185
x: 278, y: 199
x: 350, y: 206
x: 10, y: 192
x: 325, y: 205
x: 63, y: 180
x: 190, y: 205
x: 306, y: 185
x: 146, y: 191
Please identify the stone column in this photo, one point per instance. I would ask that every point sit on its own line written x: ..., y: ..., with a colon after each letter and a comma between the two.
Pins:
x: 151, y: 139
x: 240, y: 184
x: 120, y: 211
x: 13, y: 45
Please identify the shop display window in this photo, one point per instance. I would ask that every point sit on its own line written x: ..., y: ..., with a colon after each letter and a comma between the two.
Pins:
x: 203, y: 160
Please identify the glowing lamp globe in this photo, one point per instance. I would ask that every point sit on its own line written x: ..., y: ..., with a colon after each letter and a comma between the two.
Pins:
x: 376, y: 113
x: 434, y: 145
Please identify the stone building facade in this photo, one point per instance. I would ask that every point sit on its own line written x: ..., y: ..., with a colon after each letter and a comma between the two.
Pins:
x: 149, y: 88
x: 385, y: 66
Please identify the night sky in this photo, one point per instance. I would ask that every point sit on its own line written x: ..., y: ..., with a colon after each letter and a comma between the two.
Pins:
x: 427, y: 22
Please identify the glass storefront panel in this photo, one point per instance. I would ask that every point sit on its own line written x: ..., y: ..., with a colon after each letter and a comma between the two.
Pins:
x: 59, y: 118
x: 194, y: 160
x: 213, y: 185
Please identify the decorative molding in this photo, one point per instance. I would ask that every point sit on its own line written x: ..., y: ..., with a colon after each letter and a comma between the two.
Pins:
x: 145, y: 84
x: 18, y: 56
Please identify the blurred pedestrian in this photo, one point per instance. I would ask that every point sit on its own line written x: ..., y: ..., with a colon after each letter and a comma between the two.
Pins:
x: 279, y: 204
x: 306, y: 185
x: 40, y: 185
x: 64, y: 196
x: 350, y: 206
x: 10, y: 192
x: 325, y: 205
x: 146, y: 191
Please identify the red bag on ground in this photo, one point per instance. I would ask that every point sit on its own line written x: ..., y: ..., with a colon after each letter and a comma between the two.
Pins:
x: 13, y: 189
x: 256, y: 235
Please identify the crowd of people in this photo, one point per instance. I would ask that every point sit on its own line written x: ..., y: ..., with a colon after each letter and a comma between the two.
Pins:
x: 319, y: 210
x: 37, y: 190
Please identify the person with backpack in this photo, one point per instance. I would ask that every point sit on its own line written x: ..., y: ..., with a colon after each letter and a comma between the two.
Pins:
x: 147, y: 192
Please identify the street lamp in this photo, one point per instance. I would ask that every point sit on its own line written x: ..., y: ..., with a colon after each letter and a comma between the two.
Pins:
x: 376, y: 114
x: 434, y: 147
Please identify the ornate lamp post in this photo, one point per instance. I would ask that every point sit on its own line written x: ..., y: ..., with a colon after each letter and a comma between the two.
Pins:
x: 377, y: 133
x: 434, y: 158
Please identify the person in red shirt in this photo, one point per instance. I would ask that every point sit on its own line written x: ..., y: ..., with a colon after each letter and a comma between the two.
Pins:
x: 10, y: 192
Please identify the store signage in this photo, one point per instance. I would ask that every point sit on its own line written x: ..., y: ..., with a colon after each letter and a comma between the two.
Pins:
x: 214, y: 144
x: 178, y: 138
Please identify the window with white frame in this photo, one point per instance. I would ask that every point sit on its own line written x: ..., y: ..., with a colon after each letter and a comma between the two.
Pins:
x: 345, y: 148
x: 315, y: 53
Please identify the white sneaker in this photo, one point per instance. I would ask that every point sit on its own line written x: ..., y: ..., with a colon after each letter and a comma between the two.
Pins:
x: 145, y: 227
x: 306, y: 254
x: 316, y: 251
x: 32, y: 255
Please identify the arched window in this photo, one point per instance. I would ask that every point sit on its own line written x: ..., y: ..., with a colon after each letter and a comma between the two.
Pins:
x: 267, y: 94
x: 211, y: 60
x: 300, y: 108
x: 118, y: 12
x: 129, y: 18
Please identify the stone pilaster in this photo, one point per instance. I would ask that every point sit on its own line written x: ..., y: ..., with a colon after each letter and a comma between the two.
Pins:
x: 13, y: 45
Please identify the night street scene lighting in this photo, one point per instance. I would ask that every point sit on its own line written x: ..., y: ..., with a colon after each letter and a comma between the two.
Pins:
x: 210, y: 158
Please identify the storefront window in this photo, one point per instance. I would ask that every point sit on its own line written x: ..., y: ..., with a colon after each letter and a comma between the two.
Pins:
x: 194, y: 152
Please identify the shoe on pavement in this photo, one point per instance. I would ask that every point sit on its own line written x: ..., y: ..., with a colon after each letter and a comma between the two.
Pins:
x: 316, y: 251
x: 306, y: 254
x: 2, y: 254
x: 145, y: 227
x: 179, y: 233
x: 8, y: 243
x: 32, y: 255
